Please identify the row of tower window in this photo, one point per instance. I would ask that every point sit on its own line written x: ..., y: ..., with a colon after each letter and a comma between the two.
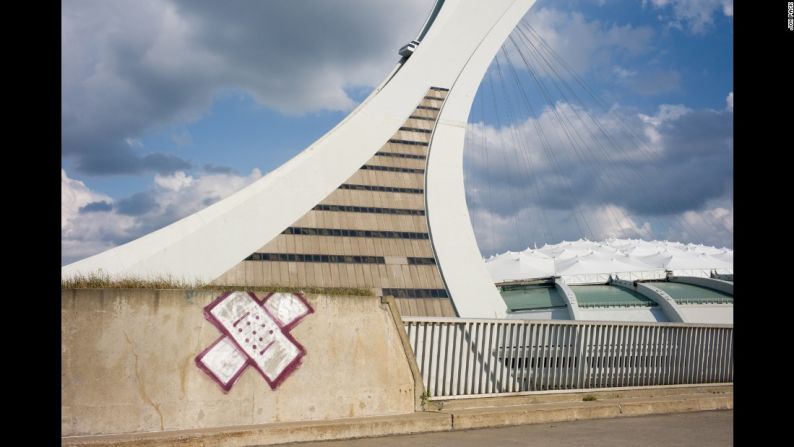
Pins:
x: 415, y: 129
x: 392, y: 169
x: 382, y: 188
x: 401, y: 155
x: 355, y: 233
x: 409, y: 142
x: 414, y: 117
x: 368, y: 209
x: 416, y: 293
x: 334, y: 259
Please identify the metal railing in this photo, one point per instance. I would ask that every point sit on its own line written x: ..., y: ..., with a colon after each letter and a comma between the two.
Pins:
x: 458, y: 357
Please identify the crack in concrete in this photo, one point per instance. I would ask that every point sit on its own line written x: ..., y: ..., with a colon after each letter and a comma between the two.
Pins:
x: 141, y: 386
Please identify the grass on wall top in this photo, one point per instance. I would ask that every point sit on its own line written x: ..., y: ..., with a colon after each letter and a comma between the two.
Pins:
x: 104, y: 281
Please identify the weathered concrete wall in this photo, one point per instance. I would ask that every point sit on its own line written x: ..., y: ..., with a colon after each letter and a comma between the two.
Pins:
x: 128, y: 365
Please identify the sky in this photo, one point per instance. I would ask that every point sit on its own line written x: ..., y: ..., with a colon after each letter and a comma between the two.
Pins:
x: 168, y: 106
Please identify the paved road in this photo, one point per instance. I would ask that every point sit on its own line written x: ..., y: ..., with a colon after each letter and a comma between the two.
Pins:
x: 703, y: 429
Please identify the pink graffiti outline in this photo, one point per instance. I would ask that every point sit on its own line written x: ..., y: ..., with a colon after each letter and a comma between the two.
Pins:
x: 285, y: 328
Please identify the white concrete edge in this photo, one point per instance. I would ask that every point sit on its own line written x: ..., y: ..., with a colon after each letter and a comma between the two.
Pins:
x: 570, y: 298
x: 665, y: 301
x: 458, y: 255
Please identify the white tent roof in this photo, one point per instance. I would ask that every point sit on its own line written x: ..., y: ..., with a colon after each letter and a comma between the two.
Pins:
x: 589, y: 264
x: 613, y: 256
x: 513, y: 266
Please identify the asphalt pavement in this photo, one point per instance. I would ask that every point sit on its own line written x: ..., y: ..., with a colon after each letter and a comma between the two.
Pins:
x: 701, y: 429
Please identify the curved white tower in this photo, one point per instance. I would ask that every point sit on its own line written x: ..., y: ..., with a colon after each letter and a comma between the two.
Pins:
x: 377, y: 202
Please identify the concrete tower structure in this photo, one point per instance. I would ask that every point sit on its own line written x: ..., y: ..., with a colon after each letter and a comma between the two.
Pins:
x: 378, y: 202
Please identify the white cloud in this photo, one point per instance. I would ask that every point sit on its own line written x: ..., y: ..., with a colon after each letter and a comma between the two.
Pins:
x: 75, y: 195
x: 612, y: 221
x: 83, y: 234
x: 606, y: 51
x: 584, y: 45
x: 711, y: 226
x: 624, y: 73
x: 729, y: 101
x: 637, y: 183
x: 136, y: 66
x: 667, y: 112
x: 193, y: 195
x: 173, y: 197
x: 174, y: 182
x: 542, y: 143
x: 531, y: 225
x: 696, y: 14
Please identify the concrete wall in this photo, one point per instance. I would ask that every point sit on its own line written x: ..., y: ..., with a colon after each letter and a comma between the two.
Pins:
x: 651, y: 314
x: 558, y: 313
x: 128, y: 365
x: 707, y: 313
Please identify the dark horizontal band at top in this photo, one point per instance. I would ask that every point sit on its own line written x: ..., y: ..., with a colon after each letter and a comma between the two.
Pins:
x: 392, y: 169
x: 439, y: 89
x: 382, y: 188
x: 303, y: 231
x: 416, y: 293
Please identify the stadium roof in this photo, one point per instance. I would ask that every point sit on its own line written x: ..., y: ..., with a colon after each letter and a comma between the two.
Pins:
x: 584, y: 261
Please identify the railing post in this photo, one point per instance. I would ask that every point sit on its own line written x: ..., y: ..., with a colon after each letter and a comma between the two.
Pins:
x: 523, y: 385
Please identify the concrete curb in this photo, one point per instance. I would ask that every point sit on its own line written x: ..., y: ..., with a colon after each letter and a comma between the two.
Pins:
x: 562, y: 412
x: 497, y: 413
x: 273, y: 434
x: 450, y: 404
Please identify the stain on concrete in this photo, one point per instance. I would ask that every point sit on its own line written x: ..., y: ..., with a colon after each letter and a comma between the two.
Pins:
x: 141, y: 385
